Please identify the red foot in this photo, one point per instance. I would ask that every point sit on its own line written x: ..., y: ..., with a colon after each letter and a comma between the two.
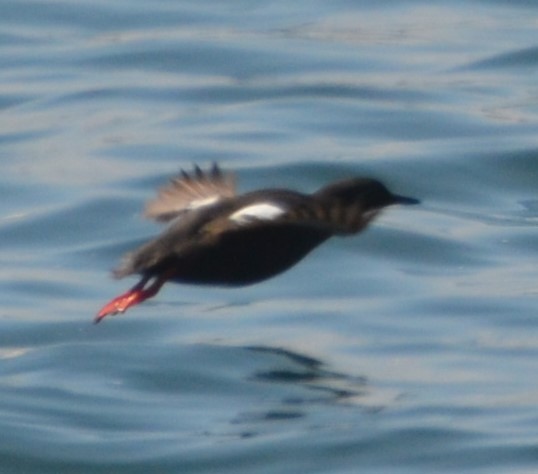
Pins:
x: 134, y: 296
x: 121, y: 303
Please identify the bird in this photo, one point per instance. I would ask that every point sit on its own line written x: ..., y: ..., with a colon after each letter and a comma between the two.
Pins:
x: 215, y: 236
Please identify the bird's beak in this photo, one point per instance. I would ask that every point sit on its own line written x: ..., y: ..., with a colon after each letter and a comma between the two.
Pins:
x: 405, y: 200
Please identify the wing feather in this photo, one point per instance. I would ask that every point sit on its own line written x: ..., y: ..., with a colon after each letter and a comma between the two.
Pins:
x: 186, y: 192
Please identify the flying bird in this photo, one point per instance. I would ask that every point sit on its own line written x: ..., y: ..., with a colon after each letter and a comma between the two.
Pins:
x: 215, y: 236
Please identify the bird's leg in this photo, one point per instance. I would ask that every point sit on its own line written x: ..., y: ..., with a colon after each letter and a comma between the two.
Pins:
x: 134, y: 296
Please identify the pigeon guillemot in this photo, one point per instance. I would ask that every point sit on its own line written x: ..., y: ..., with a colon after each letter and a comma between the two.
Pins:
x: 217, y: 237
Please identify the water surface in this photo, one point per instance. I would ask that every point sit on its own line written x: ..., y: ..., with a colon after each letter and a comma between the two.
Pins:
x: 410, y: 348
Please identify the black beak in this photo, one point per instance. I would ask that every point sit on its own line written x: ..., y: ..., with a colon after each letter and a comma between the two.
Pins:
x: 404, y: 200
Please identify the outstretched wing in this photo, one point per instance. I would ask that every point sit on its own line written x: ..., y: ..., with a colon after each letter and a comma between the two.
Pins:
x: 283, y: 208
x: 187, y: 191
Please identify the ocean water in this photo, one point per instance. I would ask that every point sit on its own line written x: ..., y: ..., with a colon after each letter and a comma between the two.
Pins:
x: 410, y: 348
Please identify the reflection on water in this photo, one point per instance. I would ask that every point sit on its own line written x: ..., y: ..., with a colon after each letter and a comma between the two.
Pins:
x: 324, y: 386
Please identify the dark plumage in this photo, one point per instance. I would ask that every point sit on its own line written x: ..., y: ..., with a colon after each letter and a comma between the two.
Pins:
x: 216, y: 237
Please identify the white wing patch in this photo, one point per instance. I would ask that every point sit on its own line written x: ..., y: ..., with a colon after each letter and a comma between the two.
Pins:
x: 262, y: 211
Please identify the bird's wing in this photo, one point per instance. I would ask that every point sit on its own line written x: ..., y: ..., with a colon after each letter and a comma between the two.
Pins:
x: 187, y: 192
x: 295, y: 211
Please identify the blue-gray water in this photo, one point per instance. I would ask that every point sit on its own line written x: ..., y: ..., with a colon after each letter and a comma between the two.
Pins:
x: 410, y: 348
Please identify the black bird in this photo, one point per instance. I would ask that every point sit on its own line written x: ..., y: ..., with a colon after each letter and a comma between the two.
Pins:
x: 217, y: 237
